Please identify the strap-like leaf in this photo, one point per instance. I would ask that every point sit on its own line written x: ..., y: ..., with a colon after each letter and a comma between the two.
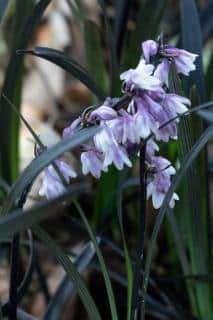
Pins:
x: 94, y: 54
x: 38, y: 164
x: 69, y: 65
x: 67, y: 288
x: 190, y: 26
x: 3, y: 7
x: 20, y: 219
x: 107, y: 281
x: 72, y: 273
x: 186, y: 163
x: 9, y: 124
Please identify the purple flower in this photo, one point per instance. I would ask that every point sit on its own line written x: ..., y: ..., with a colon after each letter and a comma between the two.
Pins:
x: 69, y: 131
x: 162, y: 71
x: 92, y: 161
x: 184, y: 60
x: 150, y: 115
x: 106, y: 143
x: 118, y: 156
x: 160, y: 181
x: 175, y: 103
x: 151, y: 148
x: 145, y: 123
x: 161, y: 115
x: 123, y: 128
x: 149, y: 48
x: 141, y: 78
x: 52, y: 185
x: 172, y: 105
x: 103, y: 113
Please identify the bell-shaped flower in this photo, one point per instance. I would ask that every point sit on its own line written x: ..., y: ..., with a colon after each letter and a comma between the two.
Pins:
x: 162, y: 115
x: 175, y: 103
x: 92, y: 161
x: 141, y: 78
x: 184, y: 60
x: 69, y: 131
x: 145, y: 123
x: 123, y: 128
x: 113, y: 152
x: 151, y: 148
x: 162, y: 71
x: 159, y: 181
x: 149, y: 48
x: 103, y: 113
x: 52, y: 186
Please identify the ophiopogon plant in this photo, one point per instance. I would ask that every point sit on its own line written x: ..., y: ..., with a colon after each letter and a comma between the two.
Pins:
x: 141, y: 114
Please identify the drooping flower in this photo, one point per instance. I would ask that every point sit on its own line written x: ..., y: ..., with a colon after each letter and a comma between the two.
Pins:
x: 145, y: 123
x: 150, y: 49
x: 151, y: 111
x: 175, y: 103
x: 160, y: 181
x: 113, y: 152
x: 162, y: 71
x: 184, y: 60
x: 92, y: 161
x: 104, y: 112
x: 141, y: 78
x: 151, y: 148
x: 75, y: 125
x: 123, y: 128
x: 52, y: 186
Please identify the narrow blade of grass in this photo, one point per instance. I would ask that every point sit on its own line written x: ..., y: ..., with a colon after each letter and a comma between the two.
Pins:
x: 3, y: 8
x: 186, y: 163
x: 71, y: 272
x: 69, y: 65
x: 66, y: 288
x: 107, y: 281
x: 24, y: 26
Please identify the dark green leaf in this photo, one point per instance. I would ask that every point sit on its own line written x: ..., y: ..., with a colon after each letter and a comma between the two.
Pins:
x: 206, y: 115
x: 186, y: 163
x: 128, y: 262
x: 24, y: 26
x: 38, y: 164
x: 206, y: 20
x: 69, y: 65
x: 20, y: 219
x: 110, y: 293
x: 147, y: 24
x: 209, y: 80
x: 3, y: 7
x: 94, y: 54
x: 121, y: 17
x: 190, y: 26
x: 66, y: 288
x: 72, y: 273
x: 114, y: 67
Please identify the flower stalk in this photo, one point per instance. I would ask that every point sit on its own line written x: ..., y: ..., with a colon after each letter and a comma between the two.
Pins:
x: 141, y: 239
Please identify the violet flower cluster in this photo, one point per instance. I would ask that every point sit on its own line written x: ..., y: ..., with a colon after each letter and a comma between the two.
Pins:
x: 151, y: 105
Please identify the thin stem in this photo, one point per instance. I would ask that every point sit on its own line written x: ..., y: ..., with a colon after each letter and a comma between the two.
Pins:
x: 13, y: 294
x: 42, y: 280
x: 142, y: 230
